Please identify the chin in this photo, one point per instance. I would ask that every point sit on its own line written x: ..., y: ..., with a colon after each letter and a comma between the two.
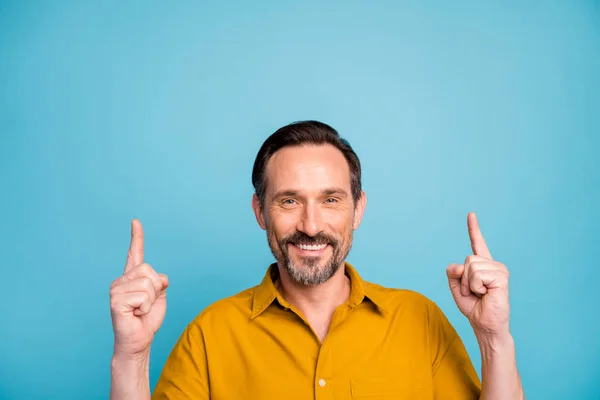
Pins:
x: 311, y: 264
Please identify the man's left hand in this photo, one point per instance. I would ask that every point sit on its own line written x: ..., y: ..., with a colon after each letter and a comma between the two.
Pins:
x: 480, y: 286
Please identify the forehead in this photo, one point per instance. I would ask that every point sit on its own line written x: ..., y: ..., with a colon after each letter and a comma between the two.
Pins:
x: 307, y: 167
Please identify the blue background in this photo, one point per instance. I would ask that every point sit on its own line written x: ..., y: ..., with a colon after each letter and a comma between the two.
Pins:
x: 156, y: 110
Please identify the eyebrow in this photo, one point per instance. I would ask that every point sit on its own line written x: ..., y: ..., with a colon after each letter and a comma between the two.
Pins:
x: 335, y: 191
x: 325, y: 192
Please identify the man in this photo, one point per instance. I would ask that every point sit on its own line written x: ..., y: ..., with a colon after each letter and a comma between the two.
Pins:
x: 313, y: 329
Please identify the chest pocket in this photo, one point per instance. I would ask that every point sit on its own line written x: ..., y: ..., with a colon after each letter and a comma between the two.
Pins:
x: 386, y: 389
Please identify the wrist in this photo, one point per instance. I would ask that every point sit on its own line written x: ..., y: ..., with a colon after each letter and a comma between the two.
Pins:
x: 139, y: 362
x: 130, y: 376
x: 499, y: 334
x: 494, y: 344
x: 124, y: 354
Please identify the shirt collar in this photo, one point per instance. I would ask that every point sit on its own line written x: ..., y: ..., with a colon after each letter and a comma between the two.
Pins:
x: 266, y: 292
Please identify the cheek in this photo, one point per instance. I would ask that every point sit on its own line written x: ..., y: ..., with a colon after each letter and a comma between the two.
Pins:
x: 340, y: 221
x: 281, y: 223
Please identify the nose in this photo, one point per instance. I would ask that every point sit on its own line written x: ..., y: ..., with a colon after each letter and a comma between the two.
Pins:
x: 311, y: 222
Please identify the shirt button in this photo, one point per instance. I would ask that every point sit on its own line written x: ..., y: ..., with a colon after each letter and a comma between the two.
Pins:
x: 322, y: 382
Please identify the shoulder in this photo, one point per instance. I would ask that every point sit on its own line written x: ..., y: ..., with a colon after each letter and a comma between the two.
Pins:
x: 397, y: 300
x: 237, y: 307
x: 413, y: 309
x: 394, y: 297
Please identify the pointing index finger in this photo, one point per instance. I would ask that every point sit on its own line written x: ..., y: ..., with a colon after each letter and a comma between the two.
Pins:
x: 478, y: 244
x: 135, y: 255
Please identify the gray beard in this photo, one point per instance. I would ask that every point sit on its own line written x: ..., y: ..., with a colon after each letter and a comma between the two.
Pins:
x: 310, y: 274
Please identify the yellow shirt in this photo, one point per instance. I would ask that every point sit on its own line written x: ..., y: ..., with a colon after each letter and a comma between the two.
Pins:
x: 382, y: 344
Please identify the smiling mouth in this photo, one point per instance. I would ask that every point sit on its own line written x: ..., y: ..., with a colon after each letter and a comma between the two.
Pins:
x: 311, y: 247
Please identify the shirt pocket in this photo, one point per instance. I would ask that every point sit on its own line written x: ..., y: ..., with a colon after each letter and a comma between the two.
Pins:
x: 386, y: 389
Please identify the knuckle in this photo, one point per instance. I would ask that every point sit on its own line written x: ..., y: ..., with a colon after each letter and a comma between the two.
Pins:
x: 476, y: 267
x: 148, y: 284
x: 114, y: 303
x: 146, y: 269
x: 147, y: 300
x: 498, y: 266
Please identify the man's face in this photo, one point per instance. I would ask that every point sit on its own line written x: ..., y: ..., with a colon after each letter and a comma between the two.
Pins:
x: 309, y: 213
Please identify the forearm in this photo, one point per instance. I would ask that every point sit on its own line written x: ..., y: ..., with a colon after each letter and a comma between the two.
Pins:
x: 499, y: 375
x: 130, y: 378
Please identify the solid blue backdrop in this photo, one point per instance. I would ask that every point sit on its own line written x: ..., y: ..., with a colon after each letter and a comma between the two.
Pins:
x: 156, y: 110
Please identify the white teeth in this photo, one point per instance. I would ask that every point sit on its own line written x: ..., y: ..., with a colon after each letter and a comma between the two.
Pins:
x: 312, y: 247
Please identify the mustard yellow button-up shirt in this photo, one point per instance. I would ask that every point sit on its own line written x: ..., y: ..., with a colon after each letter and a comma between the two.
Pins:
x: 382, y: 344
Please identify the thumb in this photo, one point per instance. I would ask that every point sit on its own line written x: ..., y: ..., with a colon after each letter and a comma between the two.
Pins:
x: 455, y: 272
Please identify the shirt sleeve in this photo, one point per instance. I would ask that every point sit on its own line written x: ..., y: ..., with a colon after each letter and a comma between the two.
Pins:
x: 454, y: 376
x: 185, y: 374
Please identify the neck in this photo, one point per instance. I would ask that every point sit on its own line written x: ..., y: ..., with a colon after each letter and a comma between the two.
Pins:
x: 321, y: 299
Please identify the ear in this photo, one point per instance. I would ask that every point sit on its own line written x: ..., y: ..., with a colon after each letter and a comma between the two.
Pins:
x: 258, y: 213
x: 359, y: 210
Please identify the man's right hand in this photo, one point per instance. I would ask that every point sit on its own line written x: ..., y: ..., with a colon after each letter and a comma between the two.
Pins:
x: 138, y: 301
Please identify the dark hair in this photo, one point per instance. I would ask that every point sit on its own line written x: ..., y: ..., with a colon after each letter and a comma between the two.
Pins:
x: 298, y: 134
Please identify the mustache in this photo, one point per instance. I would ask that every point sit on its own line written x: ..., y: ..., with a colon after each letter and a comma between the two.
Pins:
x: 301, y: 237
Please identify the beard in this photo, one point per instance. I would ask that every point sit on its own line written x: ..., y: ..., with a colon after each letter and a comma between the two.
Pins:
x: 310, y: 271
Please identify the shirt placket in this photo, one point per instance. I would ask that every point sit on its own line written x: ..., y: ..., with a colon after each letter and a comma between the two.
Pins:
x: 324, y: 369
x: 323, y: 373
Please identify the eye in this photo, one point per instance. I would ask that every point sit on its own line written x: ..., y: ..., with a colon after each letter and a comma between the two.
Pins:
x: 331, y: 200
x: 288, y: 201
